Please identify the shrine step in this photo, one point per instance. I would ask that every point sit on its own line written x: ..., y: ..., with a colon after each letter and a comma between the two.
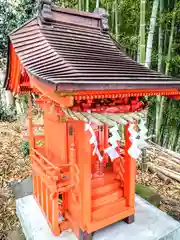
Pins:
x: 99, y: 200
x: 109, y: 209
x: 108, y: 178
x: 97, y: 190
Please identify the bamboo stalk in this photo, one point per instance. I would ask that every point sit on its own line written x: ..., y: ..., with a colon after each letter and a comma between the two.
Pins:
x: 160, y: 38
x: 160, y: 175
x: 87, y: 5
x: 171, y: 39
x: 168, y: 62
x: 142, y: 30
x: 151, y: 33
x: 112, y: 18
x: 174, y: 164
x: 116, y: 20
x: 160, y: 52
x: 97, y: 3
x: 142, y: 52
x: 174, y: 156
x: 172, y: 174
x: 138, y: 47
x: 63, y: 4
x: 79, y: 5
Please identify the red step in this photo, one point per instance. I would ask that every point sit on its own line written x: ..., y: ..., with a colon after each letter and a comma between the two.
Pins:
x: 106, y: 188
x: 105, y: 198
x: 109, y: 210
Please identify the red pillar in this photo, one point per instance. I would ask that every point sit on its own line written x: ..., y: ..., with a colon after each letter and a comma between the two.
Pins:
x: 84, y: 155
x: 129, y: 176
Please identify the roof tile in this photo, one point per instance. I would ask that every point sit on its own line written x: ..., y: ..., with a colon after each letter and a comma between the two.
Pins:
x: 72, y: 48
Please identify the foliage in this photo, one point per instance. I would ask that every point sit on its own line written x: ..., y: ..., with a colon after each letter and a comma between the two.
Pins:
x: 13, y: 13
x: 7, y: 114
x: 25, y: 148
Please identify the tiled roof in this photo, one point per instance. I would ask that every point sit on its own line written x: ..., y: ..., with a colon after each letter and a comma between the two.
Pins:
x: 71, y: 50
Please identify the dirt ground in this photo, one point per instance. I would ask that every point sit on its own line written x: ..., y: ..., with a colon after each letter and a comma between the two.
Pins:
x: 169, y: 193
x: 13, y: 166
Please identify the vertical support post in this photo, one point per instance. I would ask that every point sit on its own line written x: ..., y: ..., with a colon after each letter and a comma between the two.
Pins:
x: 71, y: 148
x: 32, y: 144
x: 84, y: 163
x: 55, y: 220
x: 129, y: 176
x: 31, y: 133
x: 72, y: 157
x: 65, y: 194
x: 106, y: 136
x: 45, y: 114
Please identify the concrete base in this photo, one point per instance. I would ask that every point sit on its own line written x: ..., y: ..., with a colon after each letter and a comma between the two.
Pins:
x: 150, y: 224
x: 23, y: 188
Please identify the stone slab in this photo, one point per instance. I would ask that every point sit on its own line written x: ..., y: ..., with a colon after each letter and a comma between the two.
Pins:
x: 150, y: 224
x: 22, y: 188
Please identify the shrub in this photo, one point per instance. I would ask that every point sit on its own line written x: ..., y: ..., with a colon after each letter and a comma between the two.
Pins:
x: 7, y: 113
x: 25, y: 148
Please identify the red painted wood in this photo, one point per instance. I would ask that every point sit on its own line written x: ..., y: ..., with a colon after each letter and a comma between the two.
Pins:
x: 129, y: 175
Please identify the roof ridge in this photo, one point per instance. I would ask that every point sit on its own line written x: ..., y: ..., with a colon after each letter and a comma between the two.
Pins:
x: 50, y: 14
x: 76, y: 12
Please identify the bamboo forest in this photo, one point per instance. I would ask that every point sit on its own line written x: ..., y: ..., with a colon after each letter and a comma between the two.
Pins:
x: 147, y: 30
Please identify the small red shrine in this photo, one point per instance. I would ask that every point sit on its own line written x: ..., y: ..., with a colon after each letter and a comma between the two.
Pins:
x: 92, y: 98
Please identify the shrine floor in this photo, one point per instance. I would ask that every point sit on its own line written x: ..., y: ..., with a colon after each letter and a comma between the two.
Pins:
x: 150, y: 224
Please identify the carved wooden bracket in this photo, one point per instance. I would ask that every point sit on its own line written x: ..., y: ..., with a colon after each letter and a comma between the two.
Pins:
x: 45, y: 9
x: 104, y: 14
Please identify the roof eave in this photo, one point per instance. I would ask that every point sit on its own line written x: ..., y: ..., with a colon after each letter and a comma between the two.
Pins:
x: 105, y: 87
x: 23, y: 25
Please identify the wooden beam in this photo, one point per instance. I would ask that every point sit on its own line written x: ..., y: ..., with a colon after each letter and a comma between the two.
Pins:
x: 125, y: 93
x: 48, y: 91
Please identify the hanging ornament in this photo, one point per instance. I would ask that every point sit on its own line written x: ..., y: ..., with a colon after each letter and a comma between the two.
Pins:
x: 93, y: 140
x: 112, y: 153
x: 113, y: 140
x: 142, y: 135
x: 133, y: 151
x: 115, y: 136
